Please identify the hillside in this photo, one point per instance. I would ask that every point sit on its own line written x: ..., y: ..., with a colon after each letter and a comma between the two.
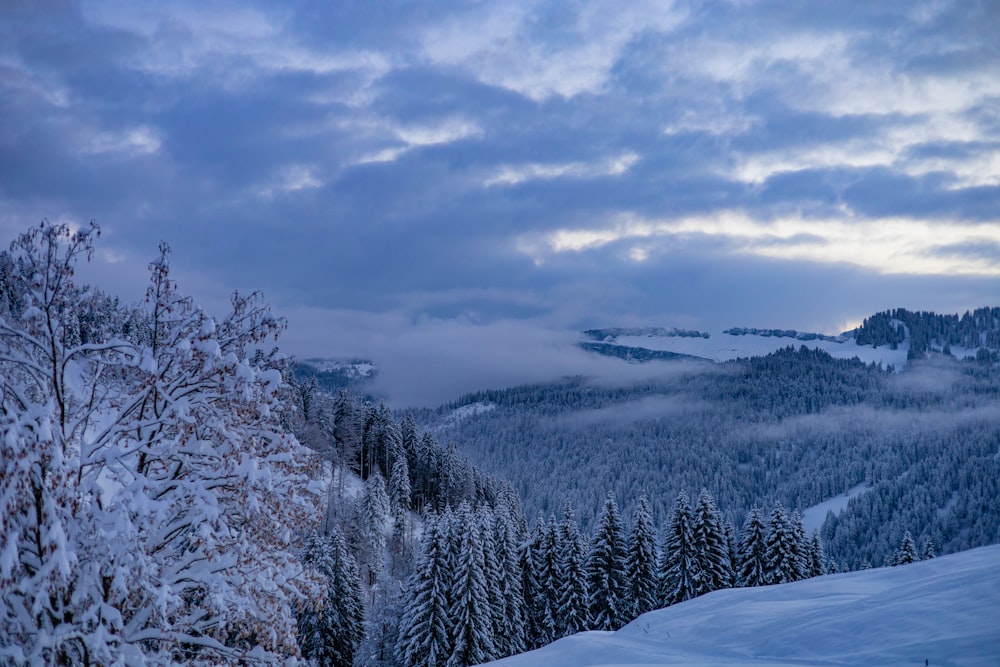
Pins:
x: 942, y: 611
x: 797, y: 426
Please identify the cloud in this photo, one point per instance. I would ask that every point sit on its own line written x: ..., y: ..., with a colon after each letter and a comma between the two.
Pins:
x: 887, y: 245
x: 554, y: 164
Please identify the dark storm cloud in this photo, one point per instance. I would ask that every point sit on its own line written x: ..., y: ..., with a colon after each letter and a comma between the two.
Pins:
x: 554, y: 164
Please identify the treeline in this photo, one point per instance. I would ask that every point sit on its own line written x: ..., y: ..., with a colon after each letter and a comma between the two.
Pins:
x: 485, y: 588
x: 928, y: 331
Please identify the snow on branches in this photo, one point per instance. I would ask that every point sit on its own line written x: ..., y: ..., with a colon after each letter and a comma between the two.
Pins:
x: 148, y: 495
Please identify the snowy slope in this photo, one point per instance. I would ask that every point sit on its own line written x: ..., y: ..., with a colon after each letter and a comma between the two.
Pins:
x: 945, y: 610
x: 721, y: 346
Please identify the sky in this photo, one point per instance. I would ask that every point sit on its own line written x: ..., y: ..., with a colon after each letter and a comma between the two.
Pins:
x: 419, y: 177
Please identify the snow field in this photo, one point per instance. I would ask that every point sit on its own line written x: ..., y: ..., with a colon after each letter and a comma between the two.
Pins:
x: 945, y: 610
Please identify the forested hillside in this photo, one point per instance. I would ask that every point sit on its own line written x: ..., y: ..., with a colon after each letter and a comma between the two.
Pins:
x: 796, y: 426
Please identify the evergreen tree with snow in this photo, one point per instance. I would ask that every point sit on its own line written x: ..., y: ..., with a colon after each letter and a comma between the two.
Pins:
x: 929, y: 551
x: 399, y: 484
x: 492, y: 575
x: 783, y: 560
x: 802, y: 546
x: 608, y: 587
x: 680, y: 576
x: 550, y: 581
x: 512, y: 640
x: 754, y: 569
x: 331, y: 630
x: 641, y: 561
x: 471, y: 616
x: 425, y: 626
x: 733, y: 551
x: 817, y: 558
x: 574, y: 598
x: 907, y: 552
x: 710, y: 546
x: 531, y: 589
x: 374, y: 512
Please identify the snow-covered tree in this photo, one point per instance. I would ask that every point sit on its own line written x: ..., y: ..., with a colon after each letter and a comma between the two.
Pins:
x: 374, y: 512
x: 531, y: 588
x: 550, y: 581
x: 710, y: 546
x: 783, y: 562
x: 425, y: 627
x: 332, y: 627
x: 574, y: 598
x: 471, y: 616
x: 680, y: 575
x: 817, y: 558
x: 606, y: 580
x: 149, y: 492
x: 753, y: 551
x: 641, y: 560
x: 929, y: 550
x: 512, y: 640
x: 907, y: 552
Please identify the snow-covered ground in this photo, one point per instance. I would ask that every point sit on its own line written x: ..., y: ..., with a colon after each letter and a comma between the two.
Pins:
x: 945, y: 611
x: 721, y: 346
x: 813, y: 517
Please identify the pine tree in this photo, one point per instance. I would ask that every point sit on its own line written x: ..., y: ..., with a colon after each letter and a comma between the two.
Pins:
x: 732, y: 549
x: 783, y: 562
x: 680, y: 576
x: 493, y: 576
x: 550, y: 581
x: 817, y: 559
x: 801, y: 547
x: 425, y: 628
x: 929, y: 551
x: 754, y: 569
x: 574, y: 598
x: 399, y: 485
x: 330, y: 632
x: 710, y: 546
x: 374, y: 512
x: 512, y: 640
x: 471, y: 616
x: 641, y: 561
x: 606, y: 580
x: 531, y: 590
x: 907, y: 552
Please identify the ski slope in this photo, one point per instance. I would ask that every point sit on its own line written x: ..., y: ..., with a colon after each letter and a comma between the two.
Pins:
x: 945, y: 611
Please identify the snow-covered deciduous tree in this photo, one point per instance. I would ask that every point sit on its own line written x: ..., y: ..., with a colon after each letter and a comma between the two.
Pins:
x: 641, y: 560
x: 148, y: 492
